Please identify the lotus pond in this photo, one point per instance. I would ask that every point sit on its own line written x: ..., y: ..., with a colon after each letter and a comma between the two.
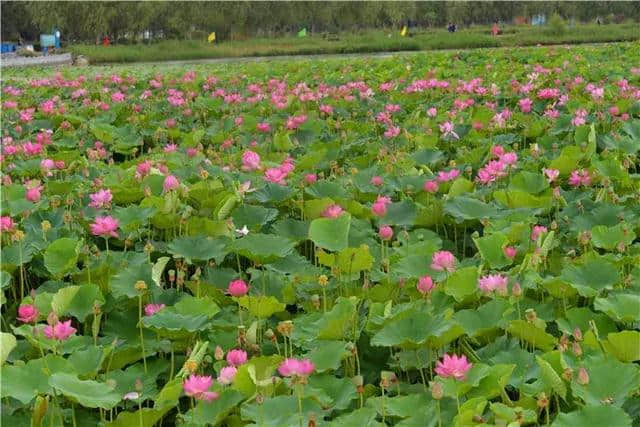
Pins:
x: 440, y: 239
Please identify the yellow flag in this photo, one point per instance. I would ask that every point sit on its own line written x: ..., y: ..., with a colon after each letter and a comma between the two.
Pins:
x: 212, y: 37
x: 404, y: 31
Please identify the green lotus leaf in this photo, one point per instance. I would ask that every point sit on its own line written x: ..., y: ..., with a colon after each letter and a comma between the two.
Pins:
x: 263, y: 248
x: 61, y: 256
x: 199, y: 248
x: 77, y: 301
x: 331, y: 234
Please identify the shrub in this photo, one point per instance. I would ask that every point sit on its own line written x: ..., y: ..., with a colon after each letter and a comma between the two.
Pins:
x: 557, y: 25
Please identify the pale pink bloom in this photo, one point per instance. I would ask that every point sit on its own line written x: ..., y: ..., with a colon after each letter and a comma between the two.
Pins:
x: 192, y: 152
x: 275, y: 175
x: 385, y: 232
x: 238, y: 120
x: 105, y: 226
x: 537, y: 231
x: 614, y: 111
x: 444, y: 176
x: 447, y: 130
x: 236, y: 357
x: 250, y: 160
x: 432, y: 112
x: 443, y: 261
x: 6, y: 224
x: 509, y: 158
x: 333, y: 211
x: 425, y: 285
x: 510, y: 252
x: 310, y: 178
x: 377, y: 181
x: 27, y: 115
x: 294, y: 367
x: 151, y: 309
x: 118, y: 97
x: 326, y: 109
x: 431, y: 186
x: 237, y: 288
x: 170, y: 148
x: 392, y: 132
x: 198, y: 386
x: 227, y: 375
x: 101, y: 199
x: 551, y: 174
x: 60, y: 331
x: 170, y: 183
x: 453, y: 367
x: 287, y: 166
x: 28, y: 313
x: 379, y: 207
x: 492, y: 282
x: 525, y: 105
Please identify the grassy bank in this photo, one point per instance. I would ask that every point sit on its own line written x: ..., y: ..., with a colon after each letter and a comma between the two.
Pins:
x: 368, y: 41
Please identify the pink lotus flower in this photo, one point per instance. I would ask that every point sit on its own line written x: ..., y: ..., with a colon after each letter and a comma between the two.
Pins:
x: 385, y: 232
x: 170, y: 183
x: 425, y: 285
x: 33, y: 192
x: 326, y: 109
x: 60, y: 331
x: 298, y: 368
x: 227, y: 375
x: 192, y: 152
x: 510, y: 252
x: 509, y: 158
x: 537, y: 231
x: 453, y: 367
x: 143, y: 169
x: 525, y: 105
x: 443, y: 261
x: 392, y: 132
x: 379, y: 207
x: 118, y: 97
x: 170, y: 148
x: 431, y: 186
x: 310, y: 178
x: 151, y: 309
x: 377, y: 181
x: 579, y: 178
x: 275, y: 175
x: 237, y: 288
x: 28, y: 313
x: 197, y: 386
x: 263, y: 127
x: 101, y: 199
x: 236, y: 357
x: 493, y: 282
x: 250, y: 160
x: 551, y: 174
x: 432, y: 112
x: 444, y: 176
x: 105, y: 226
x: 333, y: 212
x: 6, y: 224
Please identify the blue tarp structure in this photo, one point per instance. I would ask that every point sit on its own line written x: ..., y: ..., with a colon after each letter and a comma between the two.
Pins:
x: 539, y: 19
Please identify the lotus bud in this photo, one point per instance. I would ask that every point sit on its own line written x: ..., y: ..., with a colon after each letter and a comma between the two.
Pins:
x: 218, y: 353
x: 577, y: 349
x: 516, y: 290
x: 52, y: 318
x: 584, y: 238
x: 583, y: 376
x: 148, y: 248
x: 269, y: 334
x: 315, y: 301
x: 577, y: 334
x: 139, y: 386
x: 567, y: 374
x: 172, y: 275
x: 563, y: 343
x: 436, y: 390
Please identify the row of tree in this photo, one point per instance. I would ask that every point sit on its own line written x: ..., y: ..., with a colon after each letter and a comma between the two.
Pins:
x: 132, y: 20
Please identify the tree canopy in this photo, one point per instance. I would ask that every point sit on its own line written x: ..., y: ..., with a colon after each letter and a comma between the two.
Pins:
x: 130, y: 21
